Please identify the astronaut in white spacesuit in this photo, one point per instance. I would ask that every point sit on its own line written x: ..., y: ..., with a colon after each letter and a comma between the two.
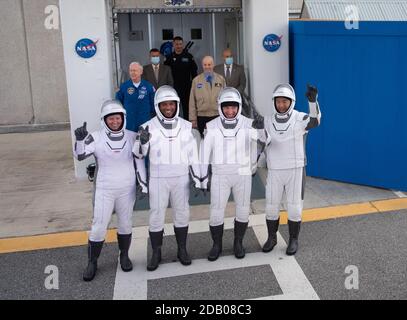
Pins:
x: 229, y: 154
x: 286, y: 161
x: 115, y: 181
x: 168, y: 142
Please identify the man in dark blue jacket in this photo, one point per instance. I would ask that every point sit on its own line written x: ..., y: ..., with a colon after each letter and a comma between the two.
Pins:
x: 137, y: 97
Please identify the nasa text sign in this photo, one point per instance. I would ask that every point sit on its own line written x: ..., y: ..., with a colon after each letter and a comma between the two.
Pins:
x: 86, y: 48
x: 272, y: 42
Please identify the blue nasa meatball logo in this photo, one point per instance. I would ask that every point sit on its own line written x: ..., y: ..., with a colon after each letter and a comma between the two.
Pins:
x: 272, y: 42
x: 86, y: 48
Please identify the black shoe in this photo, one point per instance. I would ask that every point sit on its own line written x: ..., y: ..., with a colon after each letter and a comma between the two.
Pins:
x: 272, y: 227
x: 156, y: 239
x: 182, y: 254
x: 293, y: 230
x: 217, y: 235
x: 124, y: 241
x: 240, y: 230
x: 94, y: 249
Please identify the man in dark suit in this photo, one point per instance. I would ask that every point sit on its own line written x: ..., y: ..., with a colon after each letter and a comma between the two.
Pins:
x: 233, y: 74
x: 156, y: 72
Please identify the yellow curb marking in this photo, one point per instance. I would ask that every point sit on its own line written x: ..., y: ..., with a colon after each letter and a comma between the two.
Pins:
x: 78, y: 238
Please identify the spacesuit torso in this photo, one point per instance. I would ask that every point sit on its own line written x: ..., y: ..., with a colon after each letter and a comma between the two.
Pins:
x: 287, y: 147
x: 230, y: 151
x: 170, y: 150
x: 114, y: 158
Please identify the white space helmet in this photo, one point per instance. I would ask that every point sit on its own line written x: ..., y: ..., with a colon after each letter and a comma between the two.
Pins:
x: 166, y: 93
x: 229, y: 94
x: 287, y: 91
x: 110, y: 107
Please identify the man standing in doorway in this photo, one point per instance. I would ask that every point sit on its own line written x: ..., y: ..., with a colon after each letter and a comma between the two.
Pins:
x: 233, y: 74
x: 157, y: 73
x: 137, y: 97
x: 184, y: 69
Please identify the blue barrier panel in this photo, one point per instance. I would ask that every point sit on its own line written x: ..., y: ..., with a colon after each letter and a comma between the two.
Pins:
x: 361, y: 75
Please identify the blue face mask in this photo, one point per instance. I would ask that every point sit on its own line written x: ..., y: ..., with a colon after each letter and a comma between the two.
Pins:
x: 155, y: 60
x: 229, y: 60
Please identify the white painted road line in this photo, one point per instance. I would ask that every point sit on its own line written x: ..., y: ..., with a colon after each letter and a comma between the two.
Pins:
x: 400, y: 194
x: 291, y: 278
x: 289, y: 274
x: 127, y: 285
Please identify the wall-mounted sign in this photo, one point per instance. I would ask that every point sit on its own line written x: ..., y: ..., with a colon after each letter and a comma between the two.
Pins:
x: 272, y: 42
x: 182, y: 3
x: 86, y: 48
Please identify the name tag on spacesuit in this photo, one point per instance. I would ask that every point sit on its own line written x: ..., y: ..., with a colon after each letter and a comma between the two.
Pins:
x: 185, y: 60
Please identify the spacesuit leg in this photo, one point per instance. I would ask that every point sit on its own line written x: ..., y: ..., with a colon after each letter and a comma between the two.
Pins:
x: 102, y: 214
x: 179, y: 197
x: 241, y: 190
x: 159, y: 192
x: 295, y: 201
x: 295, y: 194
x: 124, y: 205
x: 274, y: 194
x: 220, y: 192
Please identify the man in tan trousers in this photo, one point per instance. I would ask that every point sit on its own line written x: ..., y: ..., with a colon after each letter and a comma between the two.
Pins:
x: 205, y: 89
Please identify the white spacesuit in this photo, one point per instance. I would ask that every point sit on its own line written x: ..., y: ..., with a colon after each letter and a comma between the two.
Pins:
x: 229, y: 157
x: 168, y: 142
x: 115, y: 182
x: 286, y: 161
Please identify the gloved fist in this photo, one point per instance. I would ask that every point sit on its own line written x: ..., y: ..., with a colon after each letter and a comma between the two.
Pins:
x: 312, y: 93
x: 144, y: 135
x: 81, y: 133
x: 258, y: 122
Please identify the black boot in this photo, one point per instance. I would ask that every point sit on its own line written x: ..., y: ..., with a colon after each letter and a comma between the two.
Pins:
x: 217, y: 235
x: 124, y: 241
x: 293, y: 230
x: 156, y: 239
x: 181, y: 236
x: 94, y: 249
x: 240, y: 229
x: 272, y: 227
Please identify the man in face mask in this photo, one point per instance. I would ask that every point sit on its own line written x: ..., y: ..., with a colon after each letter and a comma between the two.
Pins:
x: 233, y: 74
x: 156, y: 72
x: 205, y: 90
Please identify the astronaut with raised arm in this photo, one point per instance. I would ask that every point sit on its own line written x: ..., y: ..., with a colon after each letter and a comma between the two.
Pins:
x: 115, y: 181
x: 229, y: 157
x: 168, y: 142
x: 286, y: 161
